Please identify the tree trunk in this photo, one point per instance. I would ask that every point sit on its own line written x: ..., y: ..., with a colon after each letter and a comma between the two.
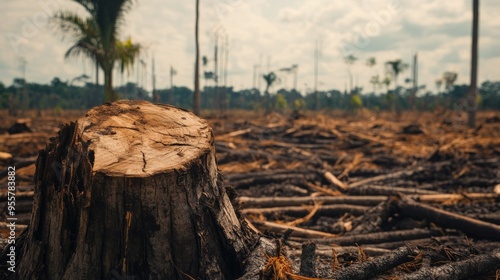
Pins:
x: 197, y: 93
x: 473, y: 71
x: 109, y: 94
x: 132, y: 190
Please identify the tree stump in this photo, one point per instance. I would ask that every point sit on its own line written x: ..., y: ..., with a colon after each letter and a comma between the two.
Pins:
x: 132, y: 191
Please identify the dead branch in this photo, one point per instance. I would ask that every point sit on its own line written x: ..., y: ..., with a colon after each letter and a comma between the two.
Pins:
x: 479, y: 265
x: 299, y: 211
x: 247, y: 202
x: 473, y: 227
x: 375, y: 266
x: 297, y: 232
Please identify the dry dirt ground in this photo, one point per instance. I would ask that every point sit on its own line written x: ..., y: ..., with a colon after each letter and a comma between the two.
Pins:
x: 363, y: 184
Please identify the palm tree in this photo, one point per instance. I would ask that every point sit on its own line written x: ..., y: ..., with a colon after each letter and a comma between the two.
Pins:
x: 473, y: 72
x: 197, y: 93
x: 96, y: 37
x: 349, y: 61
x: 449, y: 79
x: 270, y: 78
x: 370, y: 62
x: 395, y: 67
x: 439, y: 83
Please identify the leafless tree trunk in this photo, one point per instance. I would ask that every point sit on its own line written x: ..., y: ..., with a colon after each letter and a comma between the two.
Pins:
x: 197, y: 93
x: 473, y: 73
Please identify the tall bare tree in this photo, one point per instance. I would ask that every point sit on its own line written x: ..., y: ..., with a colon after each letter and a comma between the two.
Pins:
x: 473, y: 72
x: 197, y: 93
x: 349, y: 61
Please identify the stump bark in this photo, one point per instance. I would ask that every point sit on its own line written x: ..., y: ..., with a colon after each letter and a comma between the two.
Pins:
x: 132, y: 191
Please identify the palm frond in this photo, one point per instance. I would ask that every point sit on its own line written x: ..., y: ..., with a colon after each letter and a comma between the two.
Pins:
x: 126, y: 52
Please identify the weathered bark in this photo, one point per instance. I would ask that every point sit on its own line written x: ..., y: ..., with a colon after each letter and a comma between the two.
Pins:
x: 308, y: 260
x: 132, y: 189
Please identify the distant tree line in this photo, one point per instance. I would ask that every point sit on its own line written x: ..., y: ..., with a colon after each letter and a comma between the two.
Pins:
x: 63, y: 95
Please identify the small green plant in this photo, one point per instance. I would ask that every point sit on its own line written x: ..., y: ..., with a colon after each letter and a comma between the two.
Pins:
x: 299, y: 104
x: 281, y: 104
x: 356, y: 102
x: 58, y: 110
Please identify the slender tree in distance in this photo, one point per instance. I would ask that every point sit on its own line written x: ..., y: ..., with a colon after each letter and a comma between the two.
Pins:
x: 96, y: 37
x: 349, y: 61
x: 270, y: 78
x: 473, y: 72
x: 197, y: 93
x: 396, y: 67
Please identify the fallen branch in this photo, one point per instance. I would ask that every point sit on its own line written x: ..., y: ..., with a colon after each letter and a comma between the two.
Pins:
x: 473, y: 227
x: 299, y: 211
x: 248, y: 202
x: 234, y: 133
x: 379, y: 237
x: 297, y: 232
x: 375, y: 266
x: 336, y: 182
x: 385, y: 177
x: 479, y: 265
x: 441, y: 198
x: 386, y: 190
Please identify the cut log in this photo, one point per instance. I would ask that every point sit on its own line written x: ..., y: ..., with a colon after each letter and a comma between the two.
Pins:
x: 473, y: 227
x: 379, y: 237
x: 247, y: 202
x: 132, y: 190
x: 466, y: 269
x: 300, y: 211
x: 373, y: 267
x: 386, y: 190
x: 379, y: 178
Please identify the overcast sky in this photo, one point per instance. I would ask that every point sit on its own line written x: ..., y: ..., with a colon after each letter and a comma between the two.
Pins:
x: 272, y: 33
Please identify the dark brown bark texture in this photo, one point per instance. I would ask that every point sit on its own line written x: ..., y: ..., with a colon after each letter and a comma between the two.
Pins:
x: 132, y: 190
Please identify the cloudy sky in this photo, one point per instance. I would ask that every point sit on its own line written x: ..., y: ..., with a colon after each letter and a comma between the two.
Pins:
x: 270, y: 33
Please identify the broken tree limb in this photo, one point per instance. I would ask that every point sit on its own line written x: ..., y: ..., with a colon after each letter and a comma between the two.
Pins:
x: 334, y: 181
x: 479, y: 265
x: 234, y: 133
x: 375, y: 266
x: 379, y: 237
x: 132, y: 190
x: 297, y: 232
x: 299, y: 211
x: 385, y: 177
x: 454, y: 197
x: 248, y: 202
x: 386, y: 190
x: 473, y: 227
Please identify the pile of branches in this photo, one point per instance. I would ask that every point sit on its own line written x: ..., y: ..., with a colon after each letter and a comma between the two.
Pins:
x: 395, y: 199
